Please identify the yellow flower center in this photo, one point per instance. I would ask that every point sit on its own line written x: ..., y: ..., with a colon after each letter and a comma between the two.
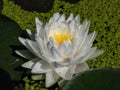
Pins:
x: 62, y: 37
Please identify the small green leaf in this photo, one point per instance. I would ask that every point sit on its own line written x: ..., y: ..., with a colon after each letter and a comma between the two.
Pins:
x: 96, y: 79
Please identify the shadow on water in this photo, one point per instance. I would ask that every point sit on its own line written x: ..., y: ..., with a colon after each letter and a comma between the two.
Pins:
x: 72, y: 1
x: 10, y: 71
x: 42, y: 6
x: 1, y: 5
x: 5, y: 82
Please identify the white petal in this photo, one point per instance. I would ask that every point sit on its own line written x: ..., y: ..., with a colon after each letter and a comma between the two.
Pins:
x: 53, y: 42
x: 29, y: 31
x: 64, y: 61
x: 82, y: 52
x: 72, y: 26
x: 41, y: 67
x: 30, y: 63
x: 81, y: 46
x: 41, y: 33
x: 52, y: 48
x: 86, y: 45
x: 62, y: 72
x: 65, y: 26
x: 22, y: 40
x: 53, y: 29
x: 28, y: 44
x: 41, y: 44
x: 96, y: 54
x: 56, y: 16
x: 33, y: 47
x: 90, y: 38
x: 25, y: 54
x: 71, y: 71
x: 68, y: 48
x: 81, y: 67
x: 38, y: 77
x: 77, y: 18
x: 80, y: 59
x: 70, y: 18
x: 48, y: 52
x: 51, y: 78
x: 65, y: 72
x: 51, y: 20
x: 61, y: 19
x: 38, y: 21
x: 31, y: 34
x: 39, y: 24
x: 55, y: 53
x: 87, y: 42
x: 84, y: 32
x: 74, y: 48
x: 40, y: 29
x: 65, y: 45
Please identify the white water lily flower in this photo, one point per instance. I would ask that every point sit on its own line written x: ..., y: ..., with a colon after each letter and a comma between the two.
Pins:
x: 59, y: 48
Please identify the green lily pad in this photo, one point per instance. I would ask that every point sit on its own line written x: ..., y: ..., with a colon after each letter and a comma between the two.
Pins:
x: 96, y: 79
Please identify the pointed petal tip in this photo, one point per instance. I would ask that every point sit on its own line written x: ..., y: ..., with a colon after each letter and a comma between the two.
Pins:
x: 81, y: 67
x: 51, y: 79
x: 101, y: 52
x: 93, y: 35
x: 64, y: 73
x: 96, y: 54
x: 29, y: 64
x: 57, y: 13
x: 77, y: 17
x: 22, y: 40
x: 26, y: 65
x: 35, y: 68
x: 71, y: 14
x: 23, y: 65
x: 87, y: 23
x: 17, y: 52
x: 28, y: 31
x: 36, y: 19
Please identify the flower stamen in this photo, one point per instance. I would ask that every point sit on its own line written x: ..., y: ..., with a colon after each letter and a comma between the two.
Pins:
x: 62, y: 37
